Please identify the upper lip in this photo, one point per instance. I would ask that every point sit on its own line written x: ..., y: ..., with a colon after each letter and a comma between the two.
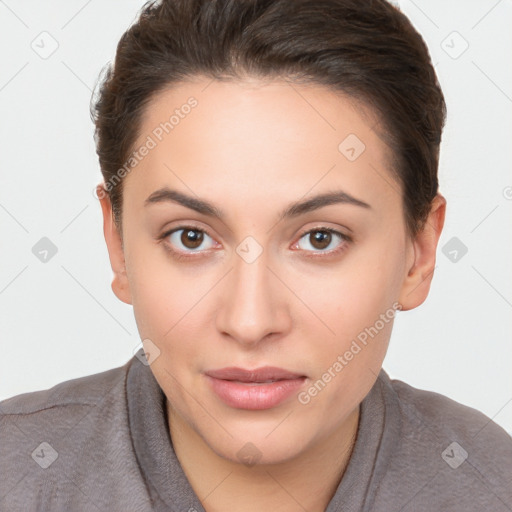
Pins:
x: 262, y: 374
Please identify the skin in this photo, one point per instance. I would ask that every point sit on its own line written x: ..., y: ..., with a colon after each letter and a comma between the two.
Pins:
x: 251, y: 148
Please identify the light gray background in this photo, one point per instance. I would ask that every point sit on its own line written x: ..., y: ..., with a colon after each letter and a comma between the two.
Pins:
x: 60, y: 319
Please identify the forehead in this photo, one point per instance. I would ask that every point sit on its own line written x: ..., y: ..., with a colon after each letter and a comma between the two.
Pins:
x: 261, y: 140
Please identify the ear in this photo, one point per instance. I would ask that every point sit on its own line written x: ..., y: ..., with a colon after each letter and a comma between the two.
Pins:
x: 120, y: 285
x: 416, y: 284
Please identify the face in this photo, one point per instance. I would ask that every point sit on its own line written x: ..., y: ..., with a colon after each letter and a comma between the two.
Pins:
x: 264, y: 229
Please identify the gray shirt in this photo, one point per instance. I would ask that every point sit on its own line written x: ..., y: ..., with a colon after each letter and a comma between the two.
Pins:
x: 101, y: 443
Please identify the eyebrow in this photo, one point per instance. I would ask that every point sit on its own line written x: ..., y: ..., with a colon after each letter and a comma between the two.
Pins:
x: 296, y: 209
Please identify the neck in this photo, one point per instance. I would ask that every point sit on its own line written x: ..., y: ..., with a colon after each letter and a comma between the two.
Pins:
x: 306, y: 482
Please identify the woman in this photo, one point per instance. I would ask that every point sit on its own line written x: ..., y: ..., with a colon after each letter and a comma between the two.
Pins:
x: 270, y: 201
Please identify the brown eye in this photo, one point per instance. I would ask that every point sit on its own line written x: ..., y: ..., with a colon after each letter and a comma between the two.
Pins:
x: 322, y: 240
x: 188, y: 239
x: 191, y: 238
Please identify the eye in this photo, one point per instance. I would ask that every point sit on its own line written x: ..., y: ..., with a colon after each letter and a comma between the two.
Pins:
x: 188, y: 239
x: 322, y: 240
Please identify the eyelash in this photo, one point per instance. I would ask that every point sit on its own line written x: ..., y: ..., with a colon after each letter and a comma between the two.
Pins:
x: 312, y: 254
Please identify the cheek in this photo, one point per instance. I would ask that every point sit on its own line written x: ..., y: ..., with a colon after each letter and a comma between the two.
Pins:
x: 170, y: 306
x: 162, y: 292
x: 357, y: 292
x: 168, y: 309
x: 355, y: 304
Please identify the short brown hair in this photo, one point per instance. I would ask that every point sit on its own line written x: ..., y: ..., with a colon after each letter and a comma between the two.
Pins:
x: 367, y: 49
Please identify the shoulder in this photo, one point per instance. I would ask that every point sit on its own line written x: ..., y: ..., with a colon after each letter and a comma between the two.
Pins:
x: 87, y: 391
x: 74, y: 432
x: 447, y: 454
x: 446, y: 417
x: 53, y: 412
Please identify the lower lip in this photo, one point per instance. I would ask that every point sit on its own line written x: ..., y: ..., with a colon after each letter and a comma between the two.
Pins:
x: 254, y: 396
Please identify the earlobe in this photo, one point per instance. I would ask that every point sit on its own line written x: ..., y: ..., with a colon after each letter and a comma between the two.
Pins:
x: 120, y: 284
x: 416, y: 284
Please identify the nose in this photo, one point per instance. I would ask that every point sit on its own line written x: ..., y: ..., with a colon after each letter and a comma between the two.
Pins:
x: 253, y: 303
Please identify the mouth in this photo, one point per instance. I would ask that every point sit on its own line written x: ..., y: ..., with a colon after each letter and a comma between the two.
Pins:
x: 258, y: 389
x: 258, y: 375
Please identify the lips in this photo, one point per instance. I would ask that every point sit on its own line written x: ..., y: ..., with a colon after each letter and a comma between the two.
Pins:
x: 261, y: 388
x: 258, y: 375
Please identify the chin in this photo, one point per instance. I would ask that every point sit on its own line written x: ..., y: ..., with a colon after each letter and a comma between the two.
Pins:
x: 259, y: 449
